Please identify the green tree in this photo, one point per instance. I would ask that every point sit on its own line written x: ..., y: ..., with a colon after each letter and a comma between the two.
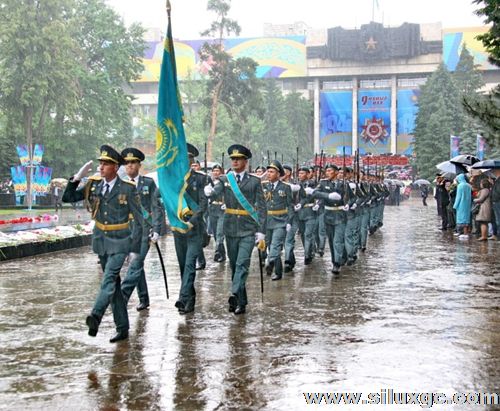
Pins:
x: 299, y: 118
x: 437, y: 118
x: 468, y: 81
x: 486, y: 108
x: 63, y: 70
x: 36, y: 65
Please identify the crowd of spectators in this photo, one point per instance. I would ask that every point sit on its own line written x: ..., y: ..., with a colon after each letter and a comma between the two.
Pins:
x: 470, y: 205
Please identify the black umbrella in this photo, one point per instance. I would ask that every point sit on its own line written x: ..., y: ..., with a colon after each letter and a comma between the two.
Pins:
x: 487, y: 164
x: 465, y: 159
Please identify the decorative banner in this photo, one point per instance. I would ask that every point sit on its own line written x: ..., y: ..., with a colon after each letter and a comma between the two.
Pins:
x: 41, y: 180
x: 454, y: 146
x: 277, y: 57
x: 22, y: 152
x: 374, y: 121
x: 407, y: 110
x: 37, y: 154
x: 336, y: 122
x: 19, y: 180
x: 481, y: 146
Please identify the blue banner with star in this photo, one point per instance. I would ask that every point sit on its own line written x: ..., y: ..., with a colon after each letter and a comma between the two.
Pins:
x: 171, y: 150
x: 374, y: 121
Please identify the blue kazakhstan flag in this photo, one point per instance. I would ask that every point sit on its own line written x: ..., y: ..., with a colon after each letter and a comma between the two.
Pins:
x: 171, y: 150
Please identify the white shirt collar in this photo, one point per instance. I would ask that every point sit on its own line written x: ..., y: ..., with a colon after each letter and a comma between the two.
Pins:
x: 110, y: 183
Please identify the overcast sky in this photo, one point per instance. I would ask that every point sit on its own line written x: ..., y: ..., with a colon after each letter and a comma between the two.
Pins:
x: 190, y: 17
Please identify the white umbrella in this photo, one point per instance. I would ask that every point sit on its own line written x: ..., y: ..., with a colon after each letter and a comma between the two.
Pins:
x: 449, y: 167
x: 465, y: 159
x: 422, y: 182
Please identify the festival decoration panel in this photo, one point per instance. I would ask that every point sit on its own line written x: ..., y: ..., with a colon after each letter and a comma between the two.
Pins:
x: 277, y: 57
x: 407, y: 109
x: 336, y: 122
x: 374, y: 121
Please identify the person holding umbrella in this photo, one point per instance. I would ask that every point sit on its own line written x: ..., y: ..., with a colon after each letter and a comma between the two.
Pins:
x: 462, y: 206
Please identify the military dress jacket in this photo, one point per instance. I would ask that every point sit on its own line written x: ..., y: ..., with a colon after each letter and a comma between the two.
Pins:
x: 306, y: 201
x: 195, y: 184
x: 113, y: 233
x: 151, y: 206
x: 334, y: 214
x: 279, y: 204
x: 238, y: 223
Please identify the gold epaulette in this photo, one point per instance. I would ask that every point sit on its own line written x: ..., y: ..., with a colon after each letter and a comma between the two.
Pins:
x: 95, y: 178
x: 129, y: 182
x: 265, y: 181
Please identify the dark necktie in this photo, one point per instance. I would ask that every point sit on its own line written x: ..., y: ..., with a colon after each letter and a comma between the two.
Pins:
x: 238, y: 178
x: 106, y: 191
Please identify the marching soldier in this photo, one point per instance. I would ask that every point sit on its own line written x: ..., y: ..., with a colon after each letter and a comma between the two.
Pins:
x: 331, y: 192
x: 216, y: 217
x: 112, y: 201
x: 306, y: 215
x: 189, y: 245
x: 244, y: 221
x: 350, y: 240
x: 151, y: 210
x: 278, y: 196
x: 291, y: 233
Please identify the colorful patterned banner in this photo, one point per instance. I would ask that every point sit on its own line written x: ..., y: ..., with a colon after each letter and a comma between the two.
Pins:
x: 336, y: 122
x: 407, y: 110
x: 277, y: 57
x: 22, y: 152
x: 454, y: 146
x: 19, y: 180
x: 481, y: 147
x: 37, y: 154
x: 374, y: 121
x: 41, y: 180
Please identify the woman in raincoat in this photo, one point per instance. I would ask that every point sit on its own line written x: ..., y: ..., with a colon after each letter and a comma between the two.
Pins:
x: 462, y: 205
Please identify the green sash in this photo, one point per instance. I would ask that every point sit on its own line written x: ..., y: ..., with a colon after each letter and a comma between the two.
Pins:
x: 241, y: 198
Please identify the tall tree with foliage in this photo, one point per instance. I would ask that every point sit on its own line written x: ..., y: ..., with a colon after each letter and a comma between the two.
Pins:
x: 437, y: 118
x: 36, y: 66
x: 299, y: 114
x: 233, y: 82
x: 63, y: 68
x: 468, y: 81
x: 486, y: 108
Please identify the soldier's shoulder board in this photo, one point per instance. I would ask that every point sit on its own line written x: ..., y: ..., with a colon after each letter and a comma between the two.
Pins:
x: 129, y: 182
x: 95, y: 178
x: 265, y: 181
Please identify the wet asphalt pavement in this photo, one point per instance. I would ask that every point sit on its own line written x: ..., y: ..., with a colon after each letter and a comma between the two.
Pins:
x: 420, y: 311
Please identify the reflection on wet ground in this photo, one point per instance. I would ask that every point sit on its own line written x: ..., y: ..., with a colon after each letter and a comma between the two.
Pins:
x: 418, y: 312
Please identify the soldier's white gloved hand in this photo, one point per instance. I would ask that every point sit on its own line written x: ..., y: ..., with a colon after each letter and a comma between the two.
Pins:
x: 369, y: 202
x: 309, y: 190
x: 346, y: 207
x: 334, y: 196
x: 354, y: 206
x: 315, y: 207
x: 295, y: 187
x: 288, y: 227
x: 208, y: 190
x: 132, y: 257
x: 352, y: 185
x: 84, y: 171
x: 154, y: 237
x: 223, y: 207
x: 259, y: 237
x: 297, y: 207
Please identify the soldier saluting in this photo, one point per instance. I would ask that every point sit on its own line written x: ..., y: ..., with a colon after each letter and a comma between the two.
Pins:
x: 244, y: 220
x: 112, y: 202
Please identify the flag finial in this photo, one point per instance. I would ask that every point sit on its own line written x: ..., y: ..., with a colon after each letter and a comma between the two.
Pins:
x: 168, y: 6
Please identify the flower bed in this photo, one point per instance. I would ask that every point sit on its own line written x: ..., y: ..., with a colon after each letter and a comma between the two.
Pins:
x: 44, y: 240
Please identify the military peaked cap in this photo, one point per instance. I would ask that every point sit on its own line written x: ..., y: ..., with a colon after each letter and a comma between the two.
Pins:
x: 132, y: 154
x: 108, y: 153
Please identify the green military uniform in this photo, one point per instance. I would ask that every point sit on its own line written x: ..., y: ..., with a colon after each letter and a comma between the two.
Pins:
x: 216, y: 223
x: 278, y: 196
x: 334, y: 217
x: 151, y: 209
x: 113, y: 238
x: 307, y: 219
x: 188, y: 246
x: 239, y: 227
